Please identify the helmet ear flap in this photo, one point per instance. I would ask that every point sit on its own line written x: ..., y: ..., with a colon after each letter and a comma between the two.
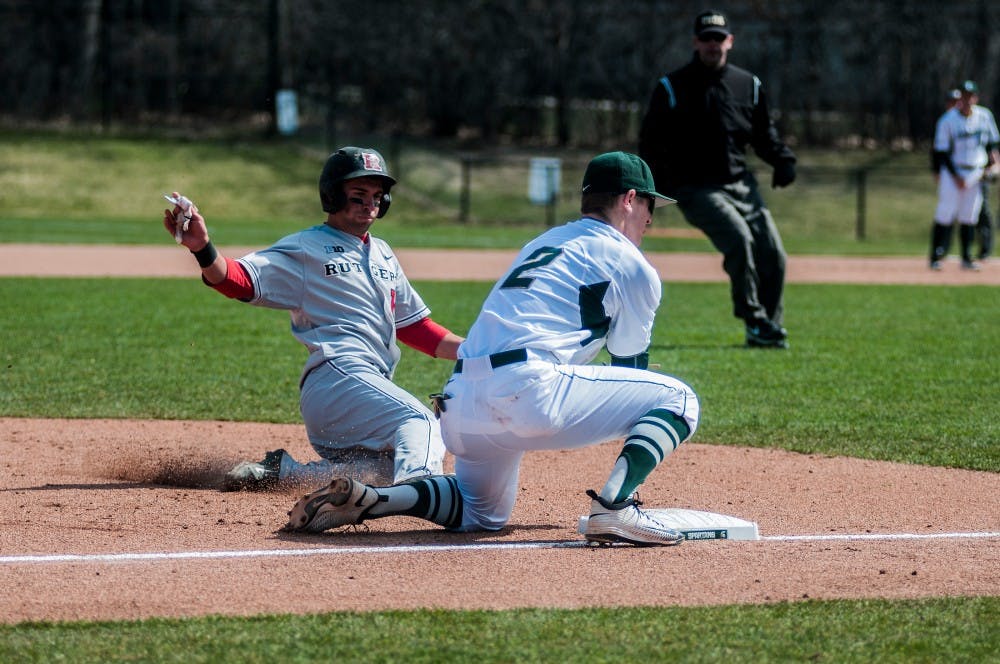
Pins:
x: 384, y: 206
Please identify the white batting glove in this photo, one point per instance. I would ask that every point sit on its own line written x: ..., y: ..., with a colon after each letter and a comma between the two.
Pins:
x: 188, y: 208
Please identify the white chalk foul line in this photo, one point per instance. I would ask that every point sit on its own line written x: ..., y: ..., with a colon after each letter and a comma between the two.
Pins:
x: 877, y: 536
x: 276, y: 553
x: 425, y: 548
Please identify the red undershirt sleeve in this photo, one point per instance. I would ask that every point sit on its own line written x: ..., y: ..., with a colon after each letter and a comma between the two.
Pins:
x: 237, y: 284
x: 424, y: 335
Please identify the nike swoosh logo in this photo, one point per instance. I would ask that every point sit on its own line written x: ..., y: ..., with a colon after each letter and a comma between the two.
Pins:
x: 313, y: 506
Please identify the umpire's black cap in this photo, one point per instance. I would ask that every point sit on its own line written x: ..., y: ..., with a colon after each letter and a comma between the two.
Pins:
x: 711, y: 21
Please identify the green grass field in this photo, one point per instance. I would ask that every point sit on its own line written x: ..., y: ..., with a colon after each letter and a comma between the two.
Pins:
x: 939, y: 630
x: 81, y: 189
x: 902, y: 373
x: 868, y: 375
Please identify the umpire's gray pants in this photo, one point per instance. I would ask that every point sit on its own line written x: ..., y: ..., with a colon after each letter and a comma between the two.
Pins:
x: 734, y: 218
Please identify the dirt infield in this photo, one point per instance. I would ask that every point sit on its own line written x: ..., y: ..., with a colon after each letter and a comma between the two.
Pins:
x: 169, y: 261
x: 120, y: 489
x: 107, y: 519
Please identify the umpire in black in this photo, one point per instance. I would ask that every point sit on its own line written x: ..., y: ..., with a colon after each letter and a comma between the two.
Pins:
x: 694, y: 137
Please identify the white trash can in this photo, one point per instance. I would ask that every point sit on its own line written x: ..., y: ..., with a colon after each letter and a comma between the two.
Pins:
x: 543, y: 180
x: 287, y: 107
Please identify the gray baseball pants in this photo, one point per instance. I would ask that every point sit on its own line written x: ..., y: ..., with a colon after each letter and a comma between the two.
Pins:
x: 735, y: 219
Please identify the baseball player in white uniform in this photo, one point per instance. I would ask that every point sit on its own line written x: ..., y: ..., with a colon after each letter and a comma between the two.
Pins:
x: 349, y: 302
x: 965, y: 146
x: 523, y: 380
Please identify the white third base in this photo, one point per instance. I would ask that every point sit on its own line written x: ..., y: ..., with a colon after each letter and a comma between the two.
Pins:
x: 698, y: 525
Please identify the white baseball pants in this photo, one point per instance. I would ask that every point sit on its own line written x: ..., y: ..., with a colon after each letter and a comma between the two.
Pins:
x: 494, y: 416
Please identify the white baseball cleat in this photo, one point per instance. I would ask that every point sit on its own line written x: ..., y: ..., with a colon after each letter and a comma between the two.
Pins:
x: 344, y: 502
x: 625, y: 522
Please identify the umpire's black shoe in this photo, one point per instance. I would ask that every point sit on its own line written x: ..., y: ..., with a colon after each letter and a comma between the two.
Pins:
x: 765, y: 334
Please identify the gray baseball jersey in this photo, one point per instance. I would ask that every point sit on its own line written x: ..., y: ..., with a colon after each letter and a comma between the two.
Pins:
x: 345, y: 296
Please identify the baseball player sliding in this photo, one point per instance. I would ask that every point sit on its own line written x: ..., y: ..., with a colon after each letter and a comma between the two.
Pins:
x: 523, y: 380
x: 349, y: 302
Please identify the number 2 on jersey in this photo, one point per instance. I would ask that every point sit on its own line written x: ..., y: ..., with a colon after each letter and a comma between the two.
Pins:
x: 538, y: 258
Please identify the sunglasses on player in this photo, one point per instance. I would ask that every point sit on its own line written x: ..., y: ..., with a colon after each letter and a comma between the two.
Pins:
x: 650, y: 201
x: 712, y: 37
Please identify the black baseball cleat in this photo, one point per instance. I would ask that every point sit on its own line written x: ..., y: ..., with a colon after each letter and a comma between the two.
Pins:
x: 970, y: 265
x: 765, y: 334
x: 255, y: 475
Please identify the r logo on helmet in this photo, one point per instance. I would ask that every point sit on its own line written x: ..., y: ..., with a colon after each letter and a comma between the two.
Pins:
x: 372, y: 162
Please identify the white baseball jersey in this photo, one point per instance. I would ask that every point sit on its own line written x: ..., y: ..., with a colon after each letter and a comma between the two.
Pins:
x: 345, y: 296
x: 572, y: 290
x: 966, y: 140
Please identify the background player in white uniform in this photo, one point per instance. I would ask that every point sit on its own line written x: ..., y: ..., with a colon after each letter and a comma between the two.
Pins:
x: 523, y: 381
x: 349, y: 301
x: 965, y: 146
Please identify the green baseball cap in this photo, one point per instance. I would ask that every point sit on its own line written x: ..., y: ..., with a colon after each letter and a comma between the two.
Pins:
x: 617, y: 172
x: 969, y: 88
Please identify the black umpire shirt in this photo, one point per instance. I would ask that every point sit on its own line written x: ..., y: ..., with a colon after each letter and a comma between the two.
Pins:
x: 698, y: 125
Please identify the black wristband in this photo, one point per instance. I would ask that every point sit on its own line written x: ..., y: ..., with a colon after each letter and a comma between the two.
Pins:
x: 206, y: 255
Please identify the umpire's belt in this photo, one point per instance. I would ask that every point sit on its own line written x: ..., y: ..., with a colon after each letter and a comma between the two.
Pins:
x: 501, y: 359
